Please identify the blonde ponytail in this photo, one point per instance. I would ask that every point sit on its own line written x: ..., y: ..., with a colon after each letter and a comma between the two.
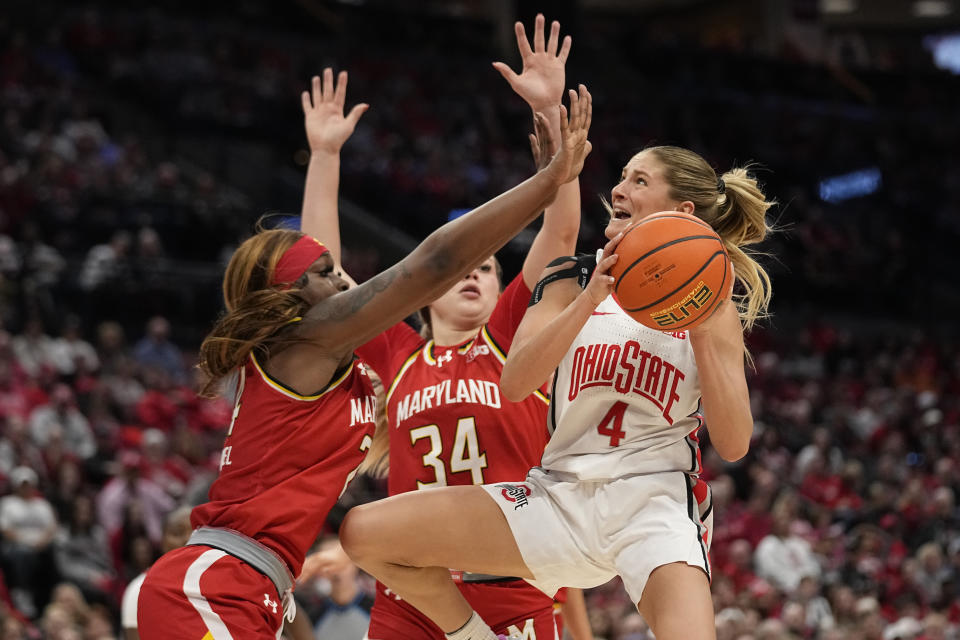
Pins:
x: 736, y: 208
x: 741, y: 221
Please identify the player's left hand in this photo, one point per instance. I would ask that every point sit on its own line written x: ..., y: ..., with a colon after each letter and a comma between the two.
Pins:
x: 327, y: 128
x: 541, y: 81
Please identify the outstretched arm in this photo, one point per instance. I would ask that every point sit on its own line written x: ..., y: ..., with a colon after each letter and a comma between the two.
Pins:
x: 540, y: 83
x: 350, y: 318
x: 551, y: 324
x: 326, y: 337
x: 327, y: 130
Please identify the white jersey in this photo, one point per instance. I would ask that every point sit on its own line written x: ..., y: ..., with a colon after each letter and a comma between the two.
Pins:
x: 626, y: 400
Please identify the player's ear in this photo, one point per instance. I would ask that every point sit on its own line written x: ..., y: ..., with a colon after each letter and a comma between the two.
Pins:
x: 686, y: 207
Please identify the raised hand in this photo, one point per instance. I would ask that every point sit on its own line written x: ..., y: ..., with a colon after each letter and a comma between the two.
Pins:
x: 542, y: 78
x: 574, y: 146
x: 327, y: 128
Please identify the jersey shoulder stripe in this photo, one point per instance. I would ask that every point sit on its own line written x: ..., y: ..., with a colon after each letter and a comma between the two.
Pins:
x: 276, y: 385
x: 427, y: 350
x: 403, y: 369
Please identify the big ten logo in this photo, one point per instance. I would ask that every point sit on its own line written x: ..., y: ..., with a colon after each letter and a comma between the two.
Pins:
x: 693, y: 301
x: 515, y: 493
x: 476, y: 351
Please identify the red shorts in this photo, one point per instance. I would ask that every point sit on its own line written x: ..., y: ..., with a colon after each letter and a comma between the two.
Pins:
x: 513, y: 606
x: 558, y: 618
x: 200, y: 593
x: 559, y: 599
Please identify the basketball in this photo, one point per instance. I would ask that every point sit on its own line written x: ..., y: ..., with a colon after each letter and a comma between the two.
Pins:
x: 672, y: 271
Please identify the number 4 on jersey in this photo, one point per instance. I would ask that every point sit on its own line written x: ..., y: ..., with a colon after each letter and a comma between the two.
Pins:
x: 612, y: 424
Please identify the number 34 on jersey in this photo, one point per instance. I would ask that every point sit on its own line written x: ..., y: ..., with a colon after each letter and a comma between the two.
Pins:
x: 465, y: 455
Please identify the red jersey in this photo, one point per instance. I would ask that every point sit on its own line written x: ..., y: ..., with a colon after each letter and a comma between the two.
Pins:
x: 448, y: 422
x: 287, y: 458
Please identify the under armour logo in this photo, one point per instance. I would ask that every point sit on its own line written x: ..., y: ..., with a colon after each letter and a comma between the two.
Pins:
x: 387, y: 591
x: 267, y: 602
x: 446, y: 357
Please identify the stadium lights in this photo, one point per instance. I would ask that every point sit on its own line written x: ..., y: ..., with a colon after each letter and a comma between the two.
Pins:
x: 946, y: 51
x: 850, y: 185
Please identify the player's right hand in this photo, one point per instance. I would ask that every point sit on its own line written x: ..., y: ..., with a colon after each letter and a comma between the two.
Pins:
x: 327, y: 128
x: 601, y: 282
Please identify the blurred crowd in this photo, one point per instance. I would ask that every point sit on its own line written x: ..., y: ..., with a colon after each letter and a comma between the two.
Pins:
x: 842, y: 522
x: 123, y: 131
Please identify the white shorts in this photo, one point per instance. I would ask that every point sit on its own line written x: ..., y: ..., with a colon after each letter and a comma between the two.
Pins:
x: 582, y: 534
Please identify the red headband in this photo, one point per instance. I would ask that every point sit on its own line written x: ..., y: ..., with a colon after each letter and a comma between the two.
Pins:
x: 296, y: 260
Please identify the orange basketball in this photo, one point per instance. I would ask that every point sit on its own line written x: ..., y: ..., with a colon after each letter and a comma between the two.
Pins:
x: 672, y: 271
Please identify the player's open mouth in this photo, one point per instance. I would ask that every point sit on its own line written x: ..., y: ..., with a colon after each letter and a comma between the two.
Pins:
x: 620, y: 214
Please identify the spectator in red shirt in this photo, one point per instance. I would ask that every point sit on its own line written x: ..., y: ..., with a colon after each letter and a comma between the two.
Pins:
x: 739, y: 564
x: 13, y: 392
x: 160, y: 406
